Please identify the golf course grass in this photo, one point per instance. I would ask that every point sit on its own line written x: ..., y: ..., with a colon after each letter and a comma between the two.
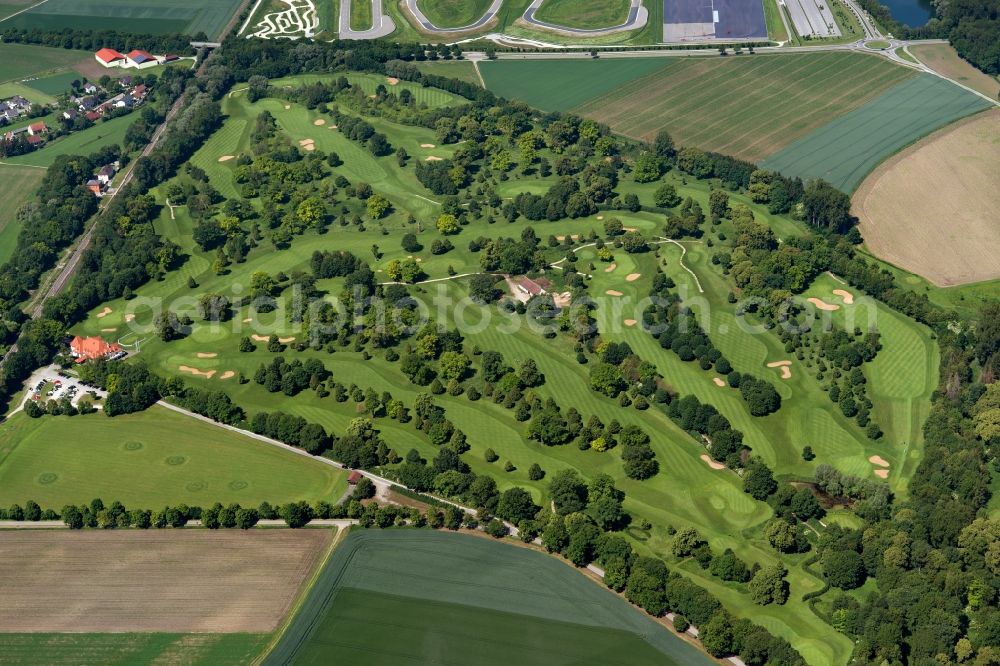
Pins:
x: 740, y: 106
x: 149, y: 460
x: 390, y: 596
x: 584, y: 14
x: 686, y: 492
x: 453, y: 13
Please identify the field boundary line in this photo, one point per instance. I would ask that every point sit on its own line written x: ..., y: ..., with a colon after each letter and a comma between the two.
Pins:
x: 30, y: 166
x: 303, y: 594
x: 26, y: 9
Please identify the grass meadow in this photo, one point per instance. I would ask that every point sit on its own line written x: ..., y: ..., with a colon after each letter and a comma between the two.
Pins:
x: 156, y: 17
x: 361, y: 14
x: 104, y: 133
x: 85, y: 649
x: 584, y: 15
x: 54, y: 84
x: 17, y: 186
x: 453, y: 13
x: 454, y: 69
x: 386, y: 596
x: 20, y: 61
x: 747, y: 106
x: 686, y: 492
x: 149, y: 460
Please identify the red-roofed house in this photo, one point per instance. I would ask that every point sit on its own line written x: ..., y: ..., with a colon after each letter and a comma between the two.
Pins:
x: 95, y: 187
x: 354, y: 477
x: 93, y: 116
x: 109, y: 58
x: 34, y: 140
x: 37, y: 128
x: 140, y: 59
x: 88, y: 349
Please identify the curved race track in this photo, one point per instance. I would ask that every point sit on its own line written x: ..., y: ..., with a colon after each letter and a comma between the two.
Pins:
x: 427, y: 26
x: 382, y: 23
x: 637, y: 18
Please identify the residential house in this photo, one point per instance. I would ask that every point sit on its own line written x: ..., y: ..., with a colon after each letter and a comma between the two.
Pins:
x: 87, y: 349
x: 92, y: 116
x: 106, y: 173
x: 95, y: 187
x: 139, y: 92
x: 90, y: 88
x: 110, y: 58
x: 70, y: 114
x: 35, y: 140
x: 35, y: 129
x: 125, y: 82
x: 87, y: 104
x: 140, y: 59
x: 13, y: 134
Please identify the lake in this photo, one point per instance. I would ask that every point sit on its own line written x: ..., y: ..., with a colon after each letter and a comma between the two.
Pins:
x: 913, y: 13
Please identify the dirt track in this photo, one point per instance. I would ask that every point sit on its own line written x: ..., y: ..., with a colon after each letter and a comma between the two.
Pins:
x: 931, y: 209
x: 214, y: 581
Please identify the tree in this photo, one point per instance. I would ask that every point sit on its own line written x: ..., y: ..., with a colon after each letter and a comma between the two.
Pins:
x: 516, y: 505
x: 843, y: 568
x: 447, y: 224
x: 568, y: 492
x: 686, y: 542
x: 535, y: 472
x: 483, y: 288
x: 769, y: 586
x: 648, y: 168
x: 377, y: 205
x: 666, y: 196
x: 410, y: 243
x: 780, y: 534
x: 454, y: 365
x: 311, y: 211
x: 826, y: 207
x: 646, y: 591
x: 296, y: 514
x: 758, y: 481
x: 213, y: 307
x: 663, y: 145
x: 548, y: 427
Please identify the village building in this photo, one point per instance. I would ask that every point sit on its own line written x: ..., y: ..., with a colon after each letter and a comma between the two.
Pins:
x: 140, y: 59
x: 70, y: 114
x: 90, y: 349
x: 90, y: 88
x: 36, y: 129
x: 109, y: 57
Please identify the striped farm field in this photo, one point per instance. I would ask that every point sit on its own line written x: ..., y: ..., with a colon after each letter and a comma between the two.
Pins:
x: 386, y: 596
x: 748, y: 107
x: 156, y: 17
x: 846, y: 149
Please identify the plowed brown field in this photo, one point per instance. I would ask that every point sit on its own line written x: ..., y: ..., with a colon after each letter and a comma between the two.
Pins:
x: 185, y: 581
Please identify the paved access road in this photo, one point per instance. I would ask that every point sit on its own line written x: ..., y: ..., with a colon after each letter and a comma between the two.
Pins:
x: 382, y: 26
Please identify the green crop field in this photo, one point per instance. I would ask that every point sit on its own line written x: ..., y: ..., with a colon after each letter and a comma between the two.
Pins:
x: 585, y: 14
x: 749, y: 107
x: 846, y: 149
x: 99, y: 649
x: 9, y: 7
x: 19, y: 61
x: 385, y: 597
x: 84, y: 142
x: 17, y: 185
x: 149, y: 460
x: 54, y: 85
x: 453, y: 13
x: 156, y: 17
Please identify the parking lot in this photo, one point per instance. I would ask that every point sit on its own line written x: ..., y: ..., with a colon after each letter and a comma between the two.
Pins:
x: 54, y: 383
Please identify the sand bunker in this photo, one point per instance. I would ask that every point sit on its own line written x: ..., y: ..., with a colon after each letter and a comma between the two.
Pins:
x: 823, y: 305
x: 226, y: 158
x: 319, y: 122
x: 572, y: 236
x: 562, y: 300
x: 264, y: 338
x: 718, y: 381
x: 882, y: 473
x: 427, y: 145
x: 197, y: 372
x: 392, y: 80
x: 433, y: 159
x: 711, y: 463
x: 600, y: 217
x: 248, y: 320
x: 129, y: 317
x: 611, y: 267
x: 613, y: 292
x: 108, y: 330
x: 630, y: 322
x: 103, y: 313
x: 630, y: 228
x: 310, y: 147
x: 288, y: 106
x: 306, y: 142
x: 207, y: 354
x: 786, y: 372
x: 879, y: 460
x: 846, y: 295
x: 632, y: 277
x: 228, y: 374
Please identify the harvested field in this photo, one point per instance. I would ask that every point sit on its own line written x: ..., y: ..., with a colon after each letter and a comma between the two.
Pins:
x: 745, y: 107
x: 944, y: 60
x: 932, y: 208
x: 215, y: 581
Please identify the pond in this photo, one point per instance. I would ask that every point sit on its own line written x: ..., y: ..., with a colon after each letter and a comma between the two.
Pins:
x: 913, y: 13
